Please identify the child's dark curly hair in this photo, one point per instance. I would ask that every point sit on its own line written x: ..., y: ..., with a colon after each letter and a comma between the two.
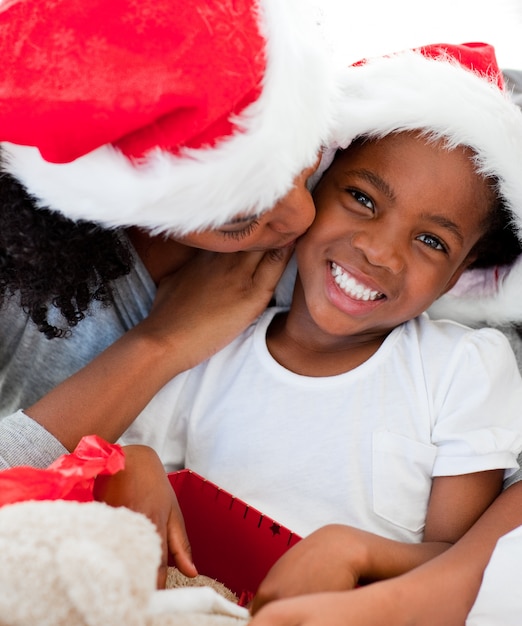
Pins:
x: 500, y: 245
x: 50, y: 260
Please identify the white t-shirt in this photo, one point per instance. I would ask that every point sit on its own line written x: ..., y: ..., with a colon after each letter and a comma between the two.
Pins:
x: 359, y: 448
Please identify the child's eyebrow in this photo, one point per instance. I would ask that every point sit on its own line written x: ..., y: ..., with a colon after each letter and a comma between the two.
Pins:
x: 375, y: 180
x: 445, y: 223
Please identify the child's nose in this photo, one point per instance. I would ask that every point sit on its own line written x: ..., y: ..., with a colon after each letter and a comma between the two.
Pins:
x: 381, y: 249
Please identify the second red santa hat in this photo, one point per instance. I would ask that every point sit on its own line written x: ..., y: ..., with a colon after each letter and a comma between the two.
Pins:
x: 455, y: 92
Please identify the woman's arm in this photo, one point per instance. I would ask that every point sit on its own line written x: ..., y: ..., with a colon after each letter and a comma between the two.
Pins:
x: 197, y: 311
x: 339, y: 557
x: 439, y: 593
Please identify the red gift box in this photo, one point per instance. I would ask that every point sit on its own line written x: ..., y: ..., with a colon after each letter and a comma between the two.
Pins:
x: 231, y: 541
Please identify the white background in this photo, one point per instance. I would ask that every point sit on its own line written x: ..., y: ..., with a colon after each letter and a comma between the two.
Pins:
x: 360, y: 28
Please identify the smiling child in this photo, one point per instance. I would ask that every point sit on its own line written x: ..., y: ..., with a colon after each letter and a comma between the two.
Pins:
x: 352, y: 406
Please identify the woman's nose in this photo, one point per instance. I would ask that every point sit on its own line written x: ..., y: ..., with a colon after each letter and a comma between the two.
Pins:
x: 294, y: 213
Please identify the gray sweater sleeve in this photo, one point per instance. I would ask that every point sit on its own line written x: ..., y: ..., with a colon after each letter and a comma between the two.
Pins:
x: 24, y: 442
x: 516, y: 477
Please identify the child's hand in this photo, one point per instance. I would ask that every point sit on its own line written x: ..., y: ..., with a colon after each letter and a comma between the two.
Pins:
x: 330, y: 559
x: 143, y: 486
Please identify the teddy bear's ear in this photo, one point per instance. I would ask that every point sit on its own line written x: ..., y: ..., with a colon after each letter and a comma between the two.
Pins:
x: 98, y: 585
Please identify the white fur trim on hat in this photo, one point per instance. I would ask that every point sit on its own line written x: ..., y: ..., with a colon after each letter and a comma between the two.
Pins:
x: 281, y: 134
x: 495, y: 298
x: 408, y: 91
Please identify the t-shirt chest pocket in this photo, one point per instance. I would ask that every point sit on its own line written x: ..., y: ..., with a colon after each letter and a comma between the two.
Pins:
x: 402, y: 476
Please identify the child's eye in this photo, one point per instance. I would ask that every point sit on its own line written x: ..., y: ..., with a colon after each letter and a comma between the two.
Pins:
x: 432, y: 242
x: 361, y: 198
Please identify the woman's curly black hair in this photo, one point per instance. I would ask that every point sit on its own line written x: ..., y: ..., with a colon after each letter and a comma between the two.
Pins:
x: 50, y: 260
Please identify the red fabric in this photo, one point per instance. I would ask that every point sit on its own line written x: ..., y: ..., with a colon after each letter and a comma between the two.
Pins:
x: 477, y: 56
x: 70, y: 477
x: 137, y: 74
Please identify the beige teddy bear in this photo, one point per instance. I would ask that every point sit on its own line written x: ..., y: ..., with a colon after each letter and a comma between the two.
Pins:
x: 65, y: 563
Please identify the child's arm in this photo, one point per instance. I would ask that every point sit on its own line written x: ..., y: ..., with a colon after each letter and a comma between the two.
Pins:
x: 456, y: 503
x: 338, y: 557
x: 439, y: 593
x: 143, y: 486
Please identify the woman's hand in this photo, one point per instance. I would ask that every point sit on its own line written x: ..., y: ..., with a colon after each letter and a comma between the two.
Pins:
x: 204, y: 305
x: 144, y: 487
x: 380, y: 604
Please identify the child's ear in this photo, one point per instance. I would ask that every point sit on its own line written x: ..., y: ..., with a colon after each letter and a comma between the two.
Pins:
x: 458, y: 273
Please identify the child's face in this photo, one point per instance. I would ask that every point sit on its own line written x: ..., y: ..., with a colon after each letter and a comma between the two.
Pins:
x: 277, y: 228
x: 396, y: 220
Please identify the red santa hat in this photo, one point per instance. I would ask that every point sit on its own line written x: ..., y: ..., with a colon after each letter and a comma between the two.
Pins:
x: 173, y: 115
x: 455, y: 92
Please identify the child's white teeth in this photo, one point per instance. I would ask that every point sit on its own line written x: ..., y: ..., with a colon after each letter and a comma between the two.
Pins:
x: 351, y: 287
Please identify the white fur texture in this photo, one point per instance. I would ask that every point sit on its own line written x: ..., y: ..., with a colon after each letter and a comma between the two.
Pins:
x: 500, y: 308
x: 282, y: 133
x: 89, y: 564
x: 72, y: 564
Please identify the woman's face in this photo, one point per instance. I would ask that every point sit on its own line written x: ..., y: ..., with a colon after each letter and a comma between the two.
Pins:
x: 276, y: 228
